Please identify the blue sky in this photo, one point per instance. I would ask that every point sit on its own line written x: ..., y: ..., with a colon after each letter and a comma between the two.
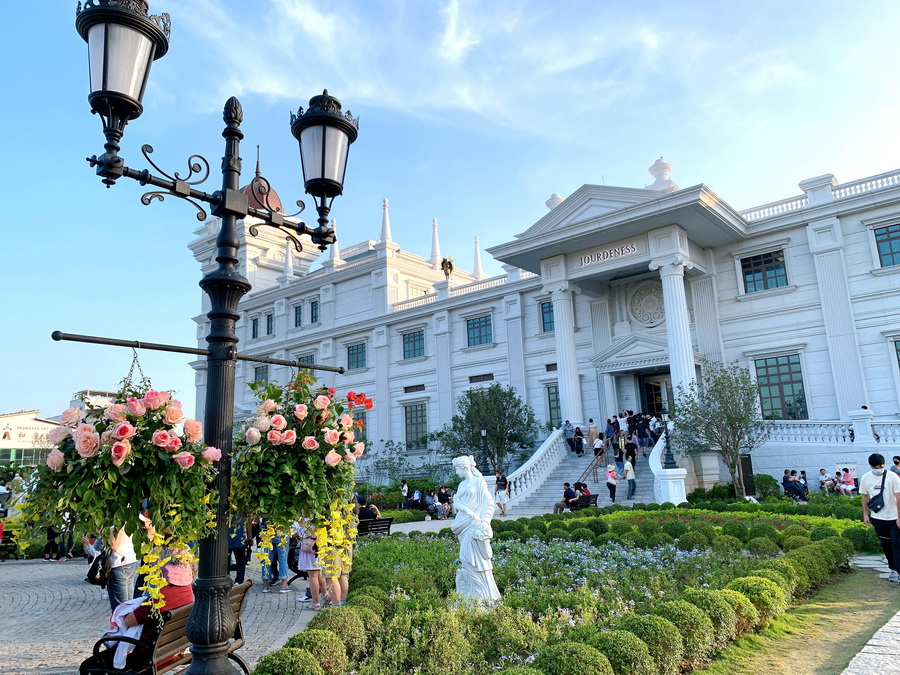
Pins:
x: 472, y: 112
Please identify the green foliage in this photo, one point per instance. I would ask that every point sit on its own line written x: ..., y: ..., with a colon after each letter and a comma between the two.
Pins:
x: 511, y: 425
x: 746, y: 616
x: 726, y: 544
x: 635, y: 538
x: 862, y: 538
x: 346, y: 625
x: 674, y: 528
x: 817, y: 569
x: 776, y: 576
x: 762, y: 546
x: 427, y: 640
x: 661, y: 539
x: 764, y: 530
x: 823, y: 532
x: 648, y: 527
x: 597, y: 526
x: 736, y: 529
x: 572, y: 658
x: 695, y: 627
x: 662, y: 638
x: 719, y: 611
x: 502, y: 633
x: 791, y: 543
x: 561, y: 525
x: 691, y: 541
x: 795, y: 530
x: 766, y: 486
x: 626, y: 652
x: 287, y: 660
x: 368, y: 602
x: 767, y: 596
x: 620, y: 527
x: 581, y: 534
x: 704, y: 528
x: 326, y: 648
x: 401, y: 516
x: 797, y: 581
x: 719, y: 505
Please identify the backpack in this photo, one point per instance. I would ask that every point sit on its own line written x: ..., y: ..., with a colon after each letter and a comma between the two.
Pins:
x: 308, y: 545
x: 99, y: 571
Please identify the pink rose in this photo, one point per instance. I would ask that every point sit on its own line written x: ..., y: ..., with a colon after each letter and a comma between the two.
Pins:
x: 83, y: 429
x: 165, y: 397
x: 105, y: 437
x: 88, y: 444
x: 193, y: 430
x: 153, y: 400
x: 253, y: 436
x: 184, y: 459
x: 349, y: 437
x: 346, y: 421
x: 173, y: 414
x: 123, y: 430
x: 136, y: 407
x: 70, y: 416
x: 59, y: 434
x: 350, y: 458
x: 278, y: 422
x: 332, y: 436
x: 332, y: 458
x: 212, y: 454
x: 160, y: 438
x: 120, y: 451
x: 322, y: 416
x: 263, y: 423
x: 267, y: 406
x: 274, y: 437
x: 310, y: 443
x: 116, y: 412
x: 300, y: 412
x: 289, y: 437
x: 56, y: 460
x: 358, y: 449
x: 174, y: 444
x: 321, y: 402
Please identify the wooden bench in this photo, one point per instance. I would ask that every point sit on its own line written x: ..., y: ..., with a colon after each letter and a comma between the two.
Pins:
x: 584, y: 501
x: 376, y: 526
x: 171, y: 649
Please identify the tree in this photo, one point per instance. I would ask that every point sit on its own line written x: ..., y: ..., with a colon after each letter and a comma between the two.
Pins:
x: 512, y: 428
x: 722, y: 415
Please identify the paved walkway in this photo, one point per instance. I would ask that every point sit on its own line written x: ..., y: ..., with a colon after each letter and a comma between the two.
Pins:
x: 881, y: 655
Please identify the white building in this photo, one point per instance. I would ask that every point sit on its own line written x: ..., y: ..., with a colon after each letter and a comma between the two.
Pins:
x: 608, y: 302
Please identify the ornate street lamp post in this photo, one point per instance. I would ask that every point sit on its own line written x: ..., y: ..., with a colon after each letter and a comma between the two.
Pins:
x: 485, y: 466
x: 669, y: 462
x: 123, y: 41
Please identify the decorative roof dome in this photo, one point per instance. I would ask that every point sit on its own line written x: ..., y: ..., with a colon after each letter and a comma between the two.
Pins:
x: 261, y: 195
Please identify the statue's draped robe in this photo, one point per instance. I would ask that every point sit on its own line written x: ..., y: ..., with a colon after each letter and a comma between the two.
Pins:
x: 475, y: 578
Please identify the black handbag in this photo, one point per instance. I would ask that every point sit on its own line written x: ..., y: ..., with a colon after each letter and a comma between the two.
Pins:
x: 876, y: 503
x: 100, y: 569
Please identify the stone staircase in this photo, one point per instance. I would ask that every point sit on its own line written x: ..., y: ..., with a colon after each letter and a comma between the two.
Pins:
x: 569, y: 470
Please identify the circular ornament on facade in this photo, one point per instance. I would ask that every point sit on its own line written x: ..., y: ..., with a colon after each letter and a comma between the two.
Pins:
x: 646, y: 304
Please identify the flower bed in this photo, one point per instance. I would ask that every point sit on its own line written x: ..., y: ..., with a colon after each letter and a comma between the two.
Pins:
x: 593, y: 589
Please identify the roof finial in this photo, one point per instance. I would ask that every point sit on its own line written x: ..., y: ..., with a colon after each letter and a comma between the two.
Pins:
x: 385, y: 224
x: 476, y: 267
x: 257, y: 160
x: 435, y: 246
x: 335, y: 250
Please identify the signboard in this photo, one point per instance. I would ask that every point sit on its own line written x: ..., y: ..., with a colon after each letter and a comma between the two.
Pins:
x: 606, y: 254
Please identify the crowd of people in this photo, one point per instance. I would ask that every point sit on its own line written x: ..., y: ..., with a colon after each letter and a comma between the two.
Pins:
x: 843, y: 482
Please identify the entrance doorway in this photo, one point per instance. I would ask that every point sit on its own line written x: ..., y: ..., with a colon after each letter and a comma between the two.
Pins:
x: 656, y: 393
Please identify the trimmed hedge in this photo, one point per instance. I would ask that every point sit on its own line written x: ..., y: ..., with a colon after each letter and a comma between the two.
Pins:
x: 572, y: 658
x: 719, y: 612
x: 695, y: 627
x: 626, y: 652
x: 287, y: 660
x: 691, y: 541
x: 325, y: 647
x: 762, y: 546
x: 726, y: 544
x: 791, y: 543
x: 767, y: 596
x: 745, y: 614
x: 662, y: 638
x: 347, y: 625
x: 777, y: 577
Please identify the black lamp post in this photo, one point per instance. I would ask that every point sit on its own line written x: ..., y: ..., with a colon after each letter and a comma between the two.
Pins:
x: 485, y: 466
x: 669, y: 462
x: 123, y: 40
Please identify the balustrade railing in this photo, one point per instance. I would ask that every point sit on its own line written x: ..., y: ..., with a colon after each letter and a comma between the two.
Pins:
x: 534, y: 472
x: 477, y: 286
x: 775, y: 208
x: 807, y: 431
x: 888, y: 432
x: 413, y: 302
x: 870, y: 184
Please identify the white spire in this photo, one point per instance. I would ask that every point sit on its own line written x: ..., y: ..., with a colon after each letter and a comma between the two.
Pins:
x: 335, y: 249
x: 385, y: 224
x: 476, y: 268
x: 555, y: 200
x: 435, y: 246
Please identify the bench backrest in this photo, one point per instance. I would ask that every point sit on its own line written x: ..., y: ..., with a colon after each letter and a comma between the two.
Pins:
x: 377, y: 526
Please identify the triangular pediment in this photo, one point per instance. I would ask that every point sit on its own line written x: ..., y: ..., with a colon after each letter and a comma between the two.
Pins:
x: 637, y: 351
x: 586, y: 203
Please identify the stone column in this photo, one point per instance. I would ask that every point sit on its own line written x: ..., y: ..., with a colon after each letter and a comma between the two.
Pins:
x: 566, y: 359
x: 678, y: 325
x: 515, y: 343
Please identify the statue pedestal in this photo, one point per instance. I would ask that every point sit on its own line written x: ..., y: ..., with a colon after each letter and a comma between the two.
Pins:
x: 670, y: 486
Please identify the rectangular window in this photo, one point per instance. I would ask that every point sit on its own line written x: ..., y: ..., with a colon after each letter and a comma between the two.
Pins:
x: 762, y: 272
x: 414, y: 344
x: 888, y: 241
x: 359, y: 415
x: 254, y: 328
x: 416, y: 417
x: 897, y: 349
x: 475, y: 379
x: 780, y: 383
x: 306, y: 358
x: 478, y: 331
x: 261, y: 374
x: 412, y: 389
x: 551, y: 367
x: 314, y: 311
x: 553, y: 408
x: 547, y: 317
x: 270, y: 324
x: 356, y: 356
x: 298, y: 316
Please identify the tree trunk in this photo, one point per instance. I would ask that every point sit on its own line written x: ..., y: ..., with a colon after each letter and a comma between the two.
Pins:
x: 739, y: 482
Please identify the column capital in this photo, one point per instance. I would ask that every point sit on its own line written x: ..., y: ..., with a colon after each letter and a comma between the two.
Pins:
x: 561, y: 290
x: 671, y: 265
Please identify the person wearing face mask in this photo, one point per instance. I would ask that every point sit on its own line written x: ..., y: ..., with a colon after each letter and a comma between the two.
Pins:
x: 880, y: 491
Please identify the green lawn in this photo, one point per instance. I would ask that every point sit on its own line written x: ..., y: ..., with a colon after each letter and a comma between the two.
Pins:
x: 827, y: 630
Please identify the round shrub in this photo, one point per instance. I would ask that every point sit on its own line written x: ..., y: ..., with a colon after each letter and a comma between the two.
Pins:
x: 325, y: 646
x: 797, y: 581
x: 823, y: 532
x: 653, y: 506
x: 368, y: 602
x: 795, y: 531
x: 634, y: 538
x: 840, y: 546
x: 399, y: 535
x: 817, y: 569
x: 832, y: 557
x: 608, y: 538
x: 726, y: 544
x: 427, y: 641
x: 515, y: 525
x: 661, y: 539
x: 777, y: 577
x: 675, y: 528
x: 648, y: 527
x: 862, y: 538
x: 706, y: 529
x: 767, y: 596
x: 620, y: 527
x: 719, y: 505
x: 557, y: 525
x: 502, y: 632
x: 719, y: 612
x: 347, y: 625
x: 597, y: 526
x: 665, y: 506
x: 375, y: 592
x: 762, y: 546
x: 848, y: 512
x: 506, y: 535
x: 736, y: 529
x: 572, y: 658
x: 626, y: 652
x: 371, y: 620
x: 537, y: 523
x: 792, y: 543
x: 703, y: 504
x: 692, y: 541
x: 695, y: 627
x: 581, y: 534
x: 764, y: 530
x: 517, y: 670
x: 745, y: 614
x: 288, y: 660
x: 662, y: 639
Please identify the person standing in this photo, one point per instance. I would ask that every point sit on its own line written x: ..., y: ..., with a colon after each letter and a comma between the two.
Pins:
x: 578, y: 440
x: 619, y: 453
x: 124, y: 564
x: 593, y: 433
x: 501, y: 492
x: 51, y: 548
x: 879, y: 485
x: 612, y: 481
x: 896, y: 467
x: 237, y: 547
x: 569, y: 433
x: 404, y: 492
x: 628, y: 474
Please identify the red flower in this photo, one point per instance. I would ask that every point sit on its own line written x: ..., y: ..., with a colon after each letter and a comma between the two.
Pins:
x: 351, y: 395
x: 331, y: 390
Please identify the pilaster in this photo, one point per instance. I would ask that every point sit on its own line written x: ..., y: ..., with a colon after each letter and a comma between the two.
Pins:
x: 678, y: 328
x: 515, y: 344
x: 570, y: 401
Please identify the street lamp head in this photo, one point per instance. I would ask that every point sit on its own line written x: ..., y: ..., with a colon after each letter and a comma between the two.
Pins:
x: 325, y: 134
x: 123, y: 40
x: 483, y: 431
x: 664, y: 414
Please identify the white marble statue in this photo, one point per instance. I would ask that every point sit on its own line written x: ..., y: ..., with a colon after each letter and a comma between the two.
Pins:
x: 474, y: 506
